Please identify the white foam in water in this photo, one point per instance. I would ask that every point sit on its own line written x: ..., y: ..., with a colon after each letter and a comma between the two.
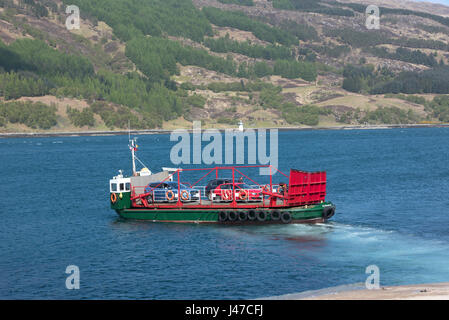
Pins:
x: 349, y: 249
x: 402, y: 259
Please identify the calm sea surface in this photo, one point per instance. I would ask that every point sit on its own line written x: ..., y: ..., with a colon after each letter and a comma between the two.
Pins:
x: 391, y: 189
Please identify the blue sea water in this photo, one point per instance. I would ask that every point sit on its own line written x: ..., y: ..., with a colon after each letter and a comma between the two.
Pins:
x: 390, y: 187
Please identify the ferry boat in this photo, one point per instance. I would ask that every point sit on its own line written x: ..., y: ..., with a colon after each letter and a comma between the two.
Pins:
x: 225, y: 199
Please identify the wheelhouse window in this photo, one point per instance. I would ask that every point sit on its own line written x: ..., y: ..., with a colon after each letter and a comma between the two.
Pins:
x: 122, y: 186
x: 113, y: 187
x: 127, y: 186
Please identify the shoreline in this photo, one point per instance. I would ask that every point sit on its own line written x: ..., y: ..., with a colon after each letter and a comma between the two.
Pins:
x: 357, y: 291
x: 164, y: 131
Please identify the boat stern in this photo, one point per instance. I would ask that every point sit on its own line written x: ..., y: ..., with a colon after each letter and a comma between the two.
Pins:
x: 328, y: 210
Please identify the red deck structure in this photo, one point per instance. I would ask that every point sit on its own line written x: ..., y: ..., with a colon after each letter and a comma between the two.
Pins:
x: 304, y: 188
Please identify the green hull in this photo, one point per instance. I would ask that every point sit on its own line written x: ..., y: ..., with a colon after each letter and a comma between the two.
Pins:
x: 310, y: 214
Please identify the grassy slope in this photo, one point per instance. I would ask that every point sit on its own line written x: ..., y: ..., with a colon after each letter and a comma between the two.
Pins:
x: 98, y: 43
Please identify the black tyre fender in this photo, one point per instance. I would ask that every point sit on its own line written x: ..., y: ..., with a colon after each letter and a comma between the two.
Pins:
x: 328, y: 212
x: 261, y: 215
x: 275, y: 215
x: 286, y: 217
x: 222, y: 216
x: 251, y: 215
x: 232, y: 215
x: 242, y: 216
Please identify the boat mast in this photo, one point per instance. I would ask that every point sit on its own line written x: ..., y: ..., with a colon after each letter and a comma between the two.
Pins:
x: 132, y: 146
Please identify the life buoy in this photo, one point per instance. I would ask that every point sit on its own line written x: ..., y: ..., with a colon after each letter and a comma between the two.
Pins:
x: 226, y: 194
x: 275, y: 215
x: 243, y: 195
x: 113, y: 198
x: 286, y: 217
x: 184, y: 195
x: 169, y: 195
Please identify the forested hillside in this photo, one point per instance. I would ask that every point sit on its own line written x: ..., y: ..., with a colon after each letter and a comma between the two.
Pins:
x: 164, y: 64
